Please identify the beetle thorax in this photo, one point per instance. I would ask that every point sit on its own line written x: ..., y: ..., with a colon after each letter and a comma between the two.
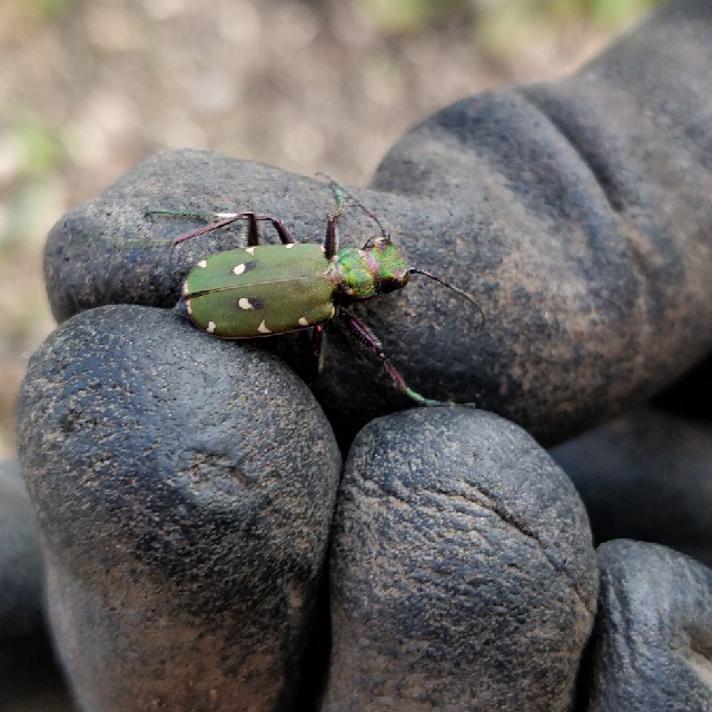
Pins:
x: 369, y: 271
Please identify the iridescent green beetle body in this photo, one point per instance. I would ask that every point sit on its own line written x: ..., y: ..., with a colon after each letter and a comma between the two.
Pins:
x: 262, y: 290
x: 259, y: 291
x: 265, y: 290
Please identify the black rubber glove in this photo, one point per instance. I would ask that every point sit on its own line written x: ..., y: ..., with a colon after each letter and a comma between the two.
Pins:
x: 185, y: 485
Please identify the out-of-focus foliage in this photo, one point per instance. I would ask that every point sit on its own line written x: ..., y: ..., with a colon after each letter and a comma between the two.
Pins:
x: 48, y: 9
x: 410, y: 15
x: 498, y: 27
x: 39, y: 148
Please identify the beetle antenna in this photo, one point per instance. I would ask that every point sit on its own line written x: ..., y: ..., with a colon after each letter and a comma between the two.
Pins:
x: 457, y: 290
x: 338, y: 188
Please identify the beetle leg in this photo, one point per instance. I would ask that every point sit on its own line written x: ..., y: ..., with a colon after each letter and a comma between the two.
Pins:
x: 225, y: 219
x: 331, y: 238
x: 341, y: 193
x: 253, y: 230
x: 284, y: 235
x: 228, y: 219
x: 318, y: 346
x: 205, y: 215
x: 367, y: 337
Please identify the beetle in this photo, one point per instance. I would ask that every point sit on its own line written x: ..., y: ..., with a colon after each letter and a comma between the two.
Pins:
x: 264, y: 290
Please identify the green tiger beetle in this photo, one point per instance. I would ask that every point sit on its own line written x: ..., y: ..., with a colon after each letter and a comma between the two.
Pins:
x: 265, y: 290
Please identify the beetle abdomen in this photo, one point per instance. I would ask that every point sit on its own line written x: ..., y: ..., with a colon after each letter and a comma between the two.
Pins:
x: 258, y: 291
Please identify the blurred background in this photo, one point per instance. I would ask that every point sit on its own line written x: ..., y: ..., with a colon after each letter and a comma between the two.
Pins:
x: 90, y: 87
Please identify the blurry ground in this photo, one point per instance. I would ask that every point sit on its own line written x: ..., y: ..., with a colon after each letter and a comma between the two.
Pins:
x: 90, y: 87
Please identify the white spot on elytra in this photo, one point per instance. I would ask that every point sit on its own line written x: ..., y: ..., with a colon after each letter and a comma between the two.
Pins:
x: 262, y: 328
x: 303, y: 321
x: 289, y: 245
x: 251, y: 250
x: 202, y: 264
x: 244, y: 303
x: 185, y: 289
x: 211, y: 327
x: 188, y: 308
x: 239, y: 269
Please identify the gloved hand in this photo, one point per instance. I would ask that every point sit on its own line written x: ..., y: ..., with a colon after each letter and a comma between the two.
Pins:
x: 186, y: 485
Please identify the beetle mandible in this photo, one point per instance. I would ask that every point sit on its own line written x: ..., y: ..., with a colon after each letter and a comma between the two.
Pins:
x: 265, y: 290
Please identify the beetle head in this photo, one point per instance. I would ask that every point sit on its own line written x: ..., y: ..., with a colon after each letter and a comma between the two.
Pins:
x: 389, y: 264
